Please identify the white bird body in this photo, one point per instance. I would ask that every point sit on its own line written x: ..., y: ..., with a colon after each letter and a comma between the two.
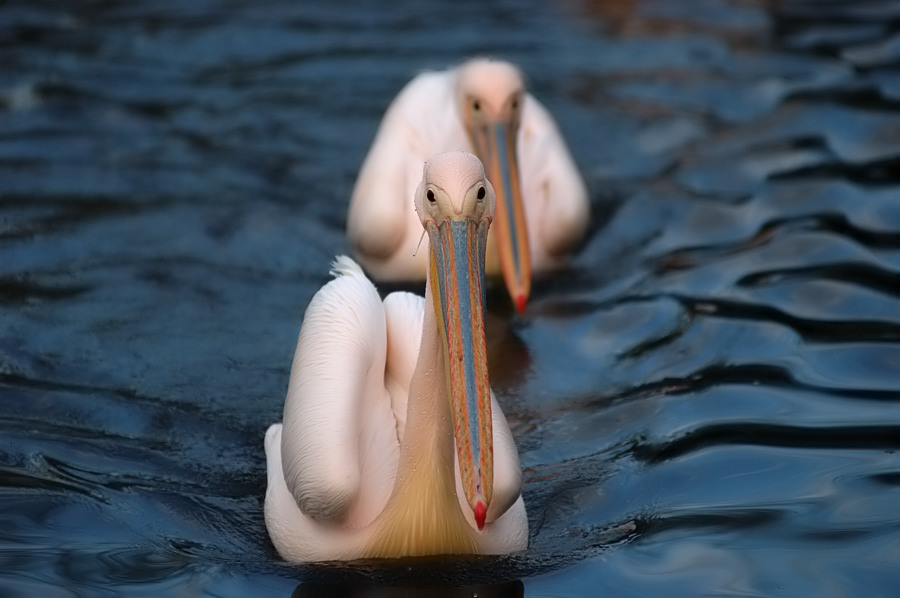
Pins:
x: 429, y: 116
x: 364, y: 464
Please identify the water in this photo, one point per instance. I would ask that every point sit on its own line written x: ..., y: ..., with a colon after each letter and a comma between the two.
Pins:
x: 707, y: 403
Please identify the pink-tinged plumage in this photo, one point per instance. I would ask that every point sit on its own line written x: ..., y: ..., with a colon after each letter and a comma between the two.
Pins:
x: 458, y: 109
x: 365, y: 463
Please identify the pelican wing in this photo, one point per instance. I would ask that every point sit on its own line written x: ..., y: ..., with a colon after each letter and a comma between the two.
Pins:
x: 377, y: 216
x: 555, y: 194
x: 507, y: 469
x: 382, y: 224
x: 339, y: 446
x: 404, y: 313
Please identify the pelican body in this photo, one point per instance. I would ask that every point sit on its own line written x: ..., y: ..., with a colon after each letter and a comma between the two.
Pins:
x: 481, y: 107
x: 392, y: 443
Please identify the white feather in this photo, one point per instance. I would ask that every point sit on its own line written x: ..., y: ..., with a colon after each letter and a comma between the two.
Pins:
x: 424, y: 119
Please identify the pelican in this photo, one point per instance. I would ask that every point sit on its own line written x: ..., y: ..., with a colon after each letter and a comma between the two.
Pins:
x: 481, y: 107
x: 364, y: 465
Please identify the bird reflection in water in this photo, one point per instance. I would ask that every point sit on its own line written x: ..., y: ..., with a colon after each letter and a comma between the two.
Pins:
x: 509, y: 589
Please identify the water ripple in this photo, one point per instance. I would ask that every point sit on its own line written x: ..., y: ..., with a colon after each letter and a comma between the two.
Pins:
x: 845, y: 437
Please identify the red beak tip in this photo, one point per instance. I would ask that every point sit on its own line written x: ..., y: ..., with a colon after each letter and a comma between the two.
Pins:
x: 520, y: 300
x: 480, y: 514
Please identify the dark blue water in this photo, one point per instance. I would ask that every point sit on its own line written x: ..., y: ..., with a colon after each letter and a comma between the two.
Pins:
x: 706, y: 404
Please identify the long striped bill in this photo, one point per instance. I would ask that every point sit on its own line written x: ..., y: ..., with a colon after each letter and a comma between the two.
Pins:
x: 457, y: 265
x: 496, y: 146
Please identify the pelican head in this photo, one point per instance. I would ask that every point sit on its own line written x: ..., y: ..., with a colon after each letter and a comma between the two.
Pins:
x: 455, y: 202
x: 491, y: 95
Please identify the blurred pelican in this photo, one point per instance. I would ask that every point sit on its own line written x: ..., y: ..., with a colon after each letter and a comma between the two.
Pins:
x: 480, y: 106
x: 380, y: 393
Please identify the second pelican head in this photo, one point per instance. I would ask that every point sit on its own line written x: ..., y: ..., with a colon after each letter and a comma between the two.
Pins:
x: 491, y: 96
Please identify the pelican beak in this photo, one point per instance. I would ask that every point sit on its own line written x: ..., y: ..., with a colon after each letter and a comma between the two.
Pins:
x: 457, y: 264
x: 495, y: 145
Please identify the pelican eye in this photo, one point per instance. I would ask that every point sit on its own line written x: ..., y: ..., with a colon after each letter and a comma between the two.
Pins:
x: 480, y: 193
x: 430, y: 196
x: 476, y: 106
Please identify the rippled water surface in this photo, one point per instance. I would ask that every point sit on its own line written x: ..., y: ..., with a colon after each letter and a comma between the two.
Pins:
x: 706, y: 403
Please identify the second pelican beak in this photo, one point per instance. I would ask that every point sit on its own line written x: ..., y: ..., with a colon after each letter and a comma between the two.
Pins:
x: 495, y: 144
x: 457, y: 265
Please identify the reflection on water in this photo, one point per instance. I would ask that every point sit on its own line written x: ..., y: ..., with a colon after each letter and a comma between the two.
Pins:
x: 706, y: 402
x: 512, y: 589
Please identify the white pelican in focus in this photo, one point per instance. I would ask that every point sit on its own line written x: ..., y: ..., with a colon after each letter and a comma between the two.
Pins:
x: 364, y: 465
x: 482, y: 107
